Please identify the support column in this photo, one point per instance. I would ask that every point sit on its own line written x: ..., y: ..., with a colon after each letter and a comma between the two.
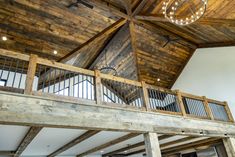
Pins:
x: 229, y: 144
x: 152, y: 145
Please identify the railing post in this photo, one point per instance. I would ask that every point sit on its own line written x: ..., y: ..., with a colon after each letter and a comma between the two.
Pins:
x: 207, y: 108
x: 98, y: 91
x: 180, y: 102
x: 30, y: 74
x: 145, y: 96
x: 229, y: 113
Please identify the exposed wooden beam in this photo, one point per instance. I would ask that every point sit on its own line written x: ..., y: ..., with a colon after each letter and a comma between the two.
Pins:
x: 152, y: 145
x: 125, y: 149
x: 7, y: 153
x: 162, y: 137
x: 32, y: 133
x: 107, y: 6
x: 152, y: 26
x: 134, y: 46
x: 139, y: 7
x: 220, y: 44
x: 156, y: 18
x: 70, y: 114
x: 176, y: 149
x: 74, y: 142
x: 229, y: 144
x: 108, y: 144
x: 178, y: 141
x: 127, y: 5
x: 205, y: 142
x: 71, y: 56
x: 203, y: 20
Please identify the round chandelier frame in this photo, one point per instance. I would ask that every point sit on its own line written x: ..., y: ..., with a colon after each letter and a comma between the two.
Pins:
x: 169, y: 11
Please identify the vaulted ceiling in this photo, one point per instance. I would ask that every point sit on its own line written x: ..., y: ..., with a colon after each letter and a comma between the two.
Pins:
x: 129, y: 35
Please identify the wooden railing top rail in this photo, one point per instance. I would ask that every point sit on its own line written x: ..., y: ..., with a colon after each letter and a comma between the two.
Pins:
x: 100, y: 76
x: 71, y: 68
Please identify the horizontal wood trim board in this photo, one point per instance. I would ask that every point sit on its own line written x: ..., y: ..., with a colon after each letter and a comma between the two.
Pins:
x: 65, y: 66
x: 13, y: 54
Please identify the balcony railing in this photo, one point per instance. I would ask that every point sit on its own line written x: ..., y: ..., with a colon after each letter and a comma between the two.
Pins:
x: 37, y: 76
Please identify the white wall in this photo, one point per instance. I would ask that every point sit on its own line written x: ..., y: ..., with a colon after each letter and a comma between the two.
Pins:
x: 211, y: 73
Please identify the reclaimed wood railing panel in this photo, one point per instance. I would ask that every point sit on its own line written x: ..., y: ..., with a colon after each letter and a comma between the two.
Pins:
x: 142, y: 91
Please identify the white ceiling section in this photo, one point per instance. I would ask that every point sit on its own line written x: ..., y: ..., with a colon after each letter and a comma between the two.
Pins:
x: 11, y: 136
x: 94, y: 141
x: 210, y: 72
x: 51, y: 139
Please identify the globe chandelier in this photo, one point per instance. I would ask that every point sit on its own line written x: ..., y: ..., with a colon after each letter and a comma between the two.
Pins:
x: 184, y: 12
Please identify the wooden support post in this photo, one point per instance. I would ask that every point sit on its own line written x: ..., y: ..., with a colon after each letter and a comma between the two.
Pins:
x: 180, y: 102
x: 98, y: 88
x: 229, y: 113
x: 145, y: 96
x: 207, y: 108
x: 229, y: 144
x: 152, y: 145
x: 30, y: 74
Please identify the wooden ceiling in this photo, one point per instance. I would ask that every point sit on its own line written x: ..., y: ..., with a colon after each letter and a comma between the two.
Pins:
x: 130, y: 34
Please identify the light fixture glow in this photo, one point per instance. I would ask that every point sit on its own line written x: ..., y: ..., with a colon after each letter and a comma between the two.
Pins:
x: 158, y: 80
x: 55, y: 52
x: 172, y: 11
x: 4, y: 38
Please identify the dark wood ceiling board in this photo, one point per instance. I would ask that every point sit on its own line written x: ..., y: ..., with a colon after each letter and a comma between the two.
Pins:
x: 163, y: 53
x: 145, y: 60
x: 207, y: 32
x: 116, y: 45
x: 83, y: 16
x: 118, y: 55
x: 154, y: 61
x: 226, y: 30
x: 202, y: 31
x: 222, y: 8
x: 220, y: 44
x: 82, y: 24
x: 192, y: 36
x: 226, y: 33
x: 33, y: 19
x: 150, y: 5
x: 89, y: 53
x: 157, y: 35
x: 37, y: 41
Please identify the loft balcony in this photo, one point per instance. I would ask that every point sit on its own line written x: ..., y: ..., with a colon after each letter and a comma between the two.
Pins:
x: 48, y: 82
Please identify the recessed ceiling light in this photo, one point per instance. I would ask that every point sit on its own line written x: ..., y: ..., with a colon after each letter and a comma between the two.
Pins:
x: 158, y: 80
x: 101, y: 151
x: 55, y: 52
x: 4, y: 38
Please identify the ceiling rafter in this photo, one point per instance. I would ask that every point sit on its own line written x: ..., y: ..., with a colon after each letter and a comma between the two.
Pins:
x: 139, y: 144
x: 74, y: 142
x: 7, y: 153
x: 220, y: 44
x: 71, y: 56
x: 112, y: 9
x: 108, y: 144
x: 182, y: 147
x: 139, y: 7
x: 190, y: 145
x: 32, y: 133
x: 204, y: 20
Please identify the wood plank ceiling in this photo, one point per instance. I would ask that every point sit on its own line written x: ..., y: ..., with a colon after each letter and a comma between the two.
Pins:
x: 138, y: 49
